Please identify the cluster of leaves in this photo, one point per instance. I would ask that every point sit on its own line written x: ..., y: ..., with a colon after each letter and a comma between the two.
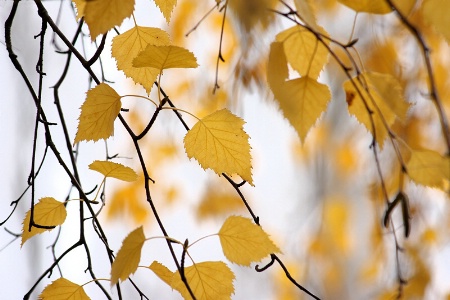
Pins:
x: 294, y: 68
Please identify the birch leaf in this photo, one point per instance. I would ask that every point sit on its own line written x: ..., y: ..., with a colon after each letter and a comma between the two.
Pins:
x: 429, y: 168
x: 103, y: 15
x: 128, y: 257
x: 303, y: 51
x: 244, y: 242
x: 63, y: 289
x: 98, y: 112
x: 165, y: 57
x: 48, y: 212
x: 219, y: 142
x: 126, y: 46
x: 115, y: 170
x: 382, y: 98
x: 379, y: 6
x: 162, y: 272
x: 436, y: 13
x: 208, y: 280
x: 302, y: 101
x: 166, y: 7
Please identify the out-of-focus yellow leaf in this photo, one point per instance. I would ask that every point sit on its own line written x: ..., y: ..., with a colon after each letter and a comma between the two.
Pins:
x: 307, y: 11
x: 207, y: 280
x: 303, y: 51
x: 251, y: 13
x: 244, y: 242
x: 63, y: 289
x: 378, y: 6
x: 103, y: 15
x: 115, y: 170
x: 368, y: 6
x: 128, y: 202
x: 384, y: 100
x: 336, y: 218
x: 48, y: 212
x: 166, y: 7
x: 98, y: 112
x: 436, y: 13
x: 216, y: 202
x: 429, y: 168
x: 128, y: 257
x: 421, y: 279
x: 219, y: 142
x: 165, y: 57
x: 126, y: 46
x: 302, y: 101
x: 430, y: 236
x: 79, y: 4
x: 162, y: 272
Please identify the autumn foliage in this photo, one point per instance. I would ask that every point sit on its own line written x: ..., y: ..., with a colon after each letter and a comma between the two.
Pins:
x: 366, y: 105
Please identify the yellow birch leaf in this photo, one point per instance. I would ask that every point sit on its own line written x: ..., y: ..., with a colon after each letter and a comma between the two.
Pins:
x: 115, y: 170
x: 162, y: 272
x: 207, y: 280
x: 98, y: 112
x: 436, y: 13
x: 428, y: 168
x: 303, y: 51
x: 368, y: 6
x: 307, y: 12
x: 103, y: 15
x: 166, y: 7
x: 379, y: 6
x: 302, y: 101
x: 79, y: 4
x: 219, y: 142
x: 48, y: 212
x: 277, y: 69
x: 244, y: 242
x: 126, y: 46
x: 63, y: 289
x: 165, y: 57
x: 128, y: 257
x: 385, y: 102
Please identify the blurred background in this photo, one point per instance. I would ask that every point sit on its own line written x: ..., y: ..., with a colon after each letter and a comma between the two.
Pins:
x: 320, y: 199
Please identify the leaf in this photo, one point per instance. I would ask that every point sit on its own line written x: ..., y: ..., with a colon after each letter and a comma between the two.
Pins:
x: 217, y: 201
x: 436, y: 13
x: 103, y: 15
x: 368, y: 6
x: 162, y: 272
x: 303, y: 51
x: 79, y: 4
x: 219, y: 142
x: 115, y: 170
x: 302, y: 101
x: 128, y: 257
x: 165, y: 57
x: 277, y: 70
x: 244, y: 242
x: 207, y: 280
x: 48, y: 212
x: 63, y: 289
x: 126, y: 46
x: 384, y: 101
x: 306, y: 10
x: 428, y: 168
x: 166, y: 7
x: 379, y: 6
x: 98, y: 112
